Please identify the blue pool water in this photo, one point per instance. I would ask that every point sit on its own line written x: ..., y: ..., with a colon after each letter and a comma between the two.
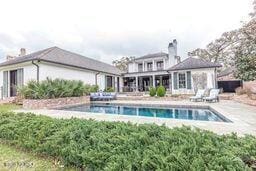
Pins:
x: 159, y: 112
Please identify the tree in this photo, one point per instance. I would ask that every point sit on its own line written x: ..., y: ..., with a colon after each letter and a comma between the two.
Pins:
x: 219, y: 50
x: 235, y: 48
x: 122, y: 63
x: 253, y: 14
x: 245, y: 53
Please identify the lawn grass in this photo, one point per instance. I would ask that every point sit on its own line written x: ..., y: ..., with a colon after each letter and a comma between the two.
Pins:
x: 8, y: 107
x: 15, y: 159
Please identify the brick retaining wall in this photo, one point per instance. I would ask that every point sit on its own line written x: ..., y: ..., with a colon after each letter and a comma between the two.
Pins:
x: 54, y: 103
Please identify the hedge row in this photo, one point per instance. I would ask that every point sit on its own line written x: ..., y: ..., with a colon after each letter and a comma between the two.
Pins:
x: 55, y: 88
x: 122, y: 146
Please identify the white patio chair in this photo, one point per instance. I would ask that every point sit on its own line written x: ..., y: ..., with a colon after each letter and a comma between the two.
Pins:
x: 199, y: 95
x: 214, y: 96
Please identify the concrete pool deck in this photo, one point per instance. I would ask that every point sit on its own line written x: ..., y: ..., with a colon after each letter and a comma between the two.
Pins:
x: 243, y: 116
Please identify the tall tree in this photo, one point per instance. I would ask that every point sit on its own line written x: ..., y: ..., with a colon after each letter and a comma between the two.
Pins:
x: 235, y: 48
x: 253, y: 13
x: 122, y: 63
x: 245, y: 53
x: 218, y: 50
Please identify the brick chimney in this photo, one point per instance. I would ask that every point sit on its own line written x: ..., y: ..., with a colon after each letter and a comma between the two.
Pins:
x: 22, y: 52
x: 172, y: 50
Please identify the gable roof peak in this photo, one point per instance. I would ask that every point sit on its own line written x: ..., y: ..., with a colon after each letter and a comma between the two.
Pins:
x: 194, y: 63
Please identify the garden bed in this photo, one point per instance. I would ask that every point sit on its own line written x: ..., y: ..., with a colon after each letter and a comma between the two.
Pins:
x: 54, y: 103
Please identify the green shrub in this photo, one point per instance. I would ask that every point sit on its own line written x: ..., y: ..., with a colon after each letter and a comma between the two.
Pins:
x: 96, y: 145
x: 110, y: 89
x: 56, y: 88
x: 161, y: 91
x: 91, y: 88
x: 152, y: 91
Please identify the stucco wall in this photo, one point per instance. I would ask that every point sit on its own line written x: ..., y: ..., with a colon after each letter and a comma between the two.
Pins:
x: 56, y: 71
x: 29, y: 71
x: 101, y: 81
x: 210, y: 81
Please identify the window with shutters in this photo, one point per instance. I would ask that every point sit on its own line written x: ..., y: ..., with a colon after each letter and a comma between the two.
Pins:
x: 182, y: 80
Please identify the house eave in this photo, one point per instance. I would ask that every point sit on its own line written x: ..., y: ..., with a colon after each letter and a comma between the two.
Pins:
x: 60, y: 63
x: 193, y: 68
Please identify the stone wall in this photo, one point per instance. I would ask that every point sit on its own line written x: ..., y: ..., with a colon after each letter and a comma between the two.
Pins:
x: 251, y: 85
x: 54, y: 103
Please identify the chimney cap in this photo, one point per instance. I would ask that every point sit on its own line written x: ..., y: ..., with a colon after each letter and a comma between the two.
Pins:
x: 170, y: 45
x: 22, y: 52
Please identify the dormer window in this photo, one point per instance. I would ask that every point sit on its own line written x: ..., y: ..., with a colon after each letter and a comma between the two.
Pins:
x: 160, y: 65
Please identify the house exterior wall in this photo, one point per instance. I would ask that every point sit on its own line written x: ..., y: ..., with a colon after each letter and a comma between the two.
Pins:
x: 56, y: 71
x: 29, y: 72
x: 71, y: 73
x: 133, y: 66
x: 101, y: 81
x: 210, y: 80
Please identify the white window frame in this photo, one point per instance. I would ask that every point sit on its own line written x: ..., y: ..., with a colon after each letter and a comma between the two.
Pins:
x: 185, y: 73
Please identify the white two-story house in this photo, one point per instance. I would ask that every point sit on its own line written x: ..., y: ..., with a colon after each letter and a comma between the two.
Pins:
x: 167, y: 69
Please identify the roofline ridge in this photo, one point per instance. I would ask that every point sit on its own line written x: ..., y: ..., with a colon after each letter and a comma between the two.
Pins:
x: 48, y: 50
x: 180, y: 62
x: 84, y: 57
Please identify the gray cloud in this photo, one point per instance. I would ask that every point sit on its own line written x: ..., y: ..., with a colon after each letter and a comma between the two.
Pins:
x: 107, y: 48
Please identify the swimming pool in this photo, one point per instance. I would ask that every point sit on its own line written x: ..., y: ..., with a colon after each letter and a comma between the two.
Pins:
x: 189, y: 113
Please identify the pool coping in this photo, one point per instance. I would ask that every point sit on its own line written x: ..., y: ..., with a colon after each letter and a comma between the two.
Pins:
x: 237, y: 125
x: 221, y: 116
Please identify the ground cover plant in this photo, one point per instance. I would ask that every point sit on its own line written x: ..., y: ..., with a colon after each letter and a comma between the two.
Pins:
x: 55, y: 88
x: 93, y: 145
x: 12, y: 158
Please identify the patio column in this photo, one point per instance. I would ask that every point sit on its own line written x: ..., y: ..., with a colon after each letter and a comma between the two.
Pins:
x: 154, y: 82
x: 161, y: 80
x: 154, y: 67
x: 170, y: 82
x: 151, y: 81
x: 137, y: 83
x: 121, y: 84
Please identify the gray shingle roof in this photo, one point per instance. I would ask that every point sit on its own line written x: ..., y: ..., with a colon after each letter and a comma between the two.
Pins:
x: 153, y: 55
x: 193, y: 63
x: 64, y: 57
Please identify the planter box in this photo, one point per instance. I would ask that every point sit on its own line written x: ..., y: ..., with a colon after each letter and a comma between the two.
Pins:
x: 54, y: 103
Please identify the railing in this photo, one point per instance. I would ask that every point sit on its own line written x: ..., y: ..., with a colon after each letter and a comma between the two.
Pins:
x: 160, y: 68
x: 149, y: 69
x: 140, y: 69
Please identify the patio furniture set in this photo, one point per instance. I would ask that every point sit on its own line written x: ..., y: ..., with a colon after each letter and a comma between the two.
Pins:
x: 102, y: 96
x: 200, y: 96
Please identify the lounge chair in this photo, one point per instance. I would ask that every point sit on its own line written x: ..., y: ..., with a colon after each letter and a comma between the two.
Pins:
x: 199, y: 96
x: 102, y: 96
x: 214, y: 96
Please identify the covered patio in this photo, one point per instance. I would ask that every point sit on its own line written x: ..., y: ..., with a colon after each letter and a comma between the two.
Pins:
x: 143, y: 83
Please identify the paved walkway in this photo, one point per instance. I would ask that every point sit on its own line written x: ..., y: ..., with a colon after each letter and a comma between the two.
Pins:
x: 243, y: 117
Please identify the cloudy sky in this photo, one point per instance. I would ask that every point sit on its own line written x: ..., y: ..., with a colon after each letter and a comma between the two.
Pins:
x: 109, y: 29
